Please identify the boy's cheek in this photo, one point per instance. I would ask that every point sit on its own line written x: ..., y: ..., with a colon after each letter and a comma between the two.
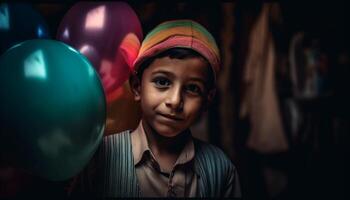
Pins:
x: 196, y: 109
x: 151, y: 96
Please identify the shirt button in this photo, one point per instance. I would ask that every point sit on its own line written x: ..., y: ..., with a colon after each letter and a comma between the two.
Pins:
x: 171, y: 192
x: 154, y: 164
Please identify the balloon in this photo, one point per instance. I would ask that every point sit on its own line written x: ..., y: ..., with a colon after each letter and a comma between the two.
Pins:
x: 123, y: 113
x: 20, y: 22
x: 53, y: 108
x: 108, y: 34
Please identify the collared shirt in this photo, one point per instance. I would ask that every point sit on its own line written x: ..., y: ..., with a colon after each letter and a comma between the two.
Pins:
x: 153, y: 181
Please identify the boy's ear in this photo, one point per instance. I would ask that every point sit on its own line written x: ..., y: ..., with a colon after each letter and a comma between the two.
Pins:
x: 135, y: 86
x: 210, y: 98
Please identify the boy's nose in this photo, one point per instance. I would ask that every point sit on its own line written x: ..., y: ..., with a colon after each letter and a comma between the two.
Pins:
x: 174, y: 99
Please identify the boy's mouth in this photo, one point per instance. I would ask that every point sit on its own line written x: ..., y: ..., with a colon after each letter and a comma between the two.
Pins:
x: 172, y: 117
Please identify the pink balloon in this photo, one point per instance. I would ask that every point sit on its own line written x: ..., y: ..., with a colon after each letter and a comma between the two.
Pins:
x: 109, y: 35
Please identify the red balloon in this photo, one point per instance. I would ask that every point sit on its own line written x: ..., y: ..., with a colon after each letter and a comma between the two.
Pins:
x: 109, y: 35
x: 123, y: 113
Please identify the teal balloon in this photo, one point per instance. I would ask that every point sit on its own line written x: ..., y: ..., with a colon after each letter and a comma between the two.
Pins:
x: 53, y: 108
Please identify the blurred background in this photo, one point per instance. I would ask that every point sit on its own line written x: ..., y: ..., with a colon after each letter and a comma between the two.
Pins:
x: 282, y: 110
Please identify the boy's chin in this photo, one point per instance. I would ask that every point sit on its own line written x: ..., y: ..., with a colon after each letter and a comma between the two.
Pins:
x: 168, y: 132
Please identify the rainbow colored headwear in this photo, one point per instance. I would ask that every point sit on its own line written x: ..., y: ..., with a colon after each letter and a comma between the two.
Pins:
x: 180, y: 33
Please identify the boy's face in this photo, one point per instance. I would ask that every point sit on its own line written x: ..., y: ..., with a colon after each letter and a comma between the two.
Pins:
x: 173, y: 94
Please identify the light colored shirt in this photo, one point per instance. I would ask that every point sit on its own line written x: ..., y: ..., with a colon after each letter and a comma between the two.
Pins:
x: 153, y: 181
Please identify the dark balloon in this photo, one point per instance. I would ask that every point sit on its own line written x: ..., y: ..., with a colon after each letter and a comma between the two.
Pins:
x: 20, y: 22
x: 53, y: 108
x: 108, y: 34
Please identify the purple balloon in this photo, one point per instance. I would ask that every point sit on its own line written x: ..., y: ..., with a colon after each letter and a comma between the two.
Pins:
x: 108, y: 34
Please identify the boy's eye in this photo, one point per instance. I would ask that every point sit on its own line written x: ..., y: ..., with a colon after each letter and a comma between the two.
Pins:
x: 161, y: 82
x: 194, y: 89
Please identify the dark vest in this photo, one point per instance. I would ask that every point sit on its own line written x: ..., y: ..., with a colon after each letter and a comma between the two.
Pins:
x: 117, y: 175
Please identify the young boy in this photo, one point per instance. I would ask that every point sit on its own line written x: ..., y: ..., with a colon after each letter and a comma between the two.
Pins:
x: 174, y: 81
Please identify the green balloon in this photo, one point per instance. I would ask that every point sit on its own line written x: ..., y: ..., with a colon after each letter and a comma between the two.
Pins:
x: 52, y: 108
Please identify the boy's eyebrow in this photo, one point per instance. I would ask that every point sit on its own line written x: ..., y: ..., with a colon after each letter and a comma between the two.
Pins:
x: 198, y: 80
x: 171, y: 75
x: 168, y: 73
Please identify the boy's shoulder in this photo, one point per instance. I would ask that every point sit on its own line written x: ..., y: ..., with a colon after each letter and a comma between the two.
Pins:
x: 201, y: 147
x: 210, y: 152
x: 120, y: 136
x: 207, y: 147
x: 116, y: 142
x: 215, y: 169
x: 204, y: 152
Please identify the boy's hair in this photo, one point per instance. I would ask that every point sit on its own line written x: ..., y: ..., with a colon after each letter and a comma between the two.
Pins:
x: 178, y: 53
x: 175, y: 34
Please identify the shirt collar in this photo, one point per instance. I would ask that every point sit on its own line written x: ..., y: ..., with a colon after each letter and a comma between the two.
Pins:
x: 139, y: 143
x: 140, y: 146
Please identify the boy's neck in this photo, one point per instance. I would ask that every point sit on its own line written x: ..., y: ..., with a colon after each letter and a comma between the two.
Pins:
x: 169, y: 145
x: 165, y: 149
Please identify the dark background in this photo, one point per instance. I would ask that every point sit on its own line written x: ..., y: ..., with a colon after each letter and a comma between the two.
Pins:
x: 314, y: 164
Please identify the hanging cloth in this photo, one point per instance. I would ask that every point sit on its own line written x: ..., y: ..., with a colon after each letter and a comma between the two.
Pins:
x: 260, y: 102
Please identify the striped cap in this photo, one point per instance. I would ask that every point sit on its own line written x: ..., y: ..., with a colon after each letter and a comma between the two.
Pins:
x: 179, y: 33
